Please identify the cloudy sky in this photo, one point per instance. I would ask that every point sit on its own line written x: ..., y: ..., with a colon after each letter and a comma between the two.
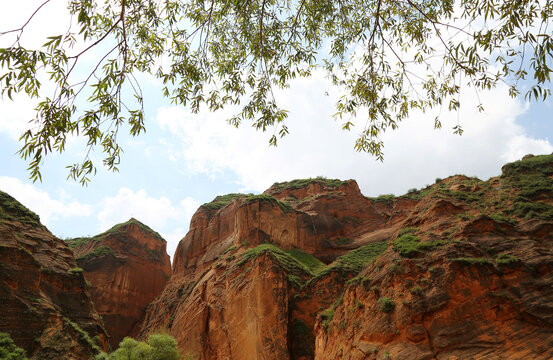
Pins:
x: 185, y: 159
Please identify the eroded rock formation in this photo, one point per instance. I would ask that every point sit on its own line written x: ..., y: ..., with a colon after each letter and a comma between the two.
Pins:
x: 127, y: 267
x: 312, y: 269
x: 44, y: 302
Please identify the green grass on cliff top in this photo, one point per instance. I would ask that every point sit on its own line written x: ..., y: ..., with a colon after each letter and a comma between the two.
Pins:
x: 539, y: 163
x: 297, y: 262
x: 132, y: 221
x: 13, y: 210
x: 98, y: 252
x: 532, y: 178
x: 74, y: 242
x: 223, y: 200
x: 356, y: 260
x: 299, y: 183
x: 293, y: 261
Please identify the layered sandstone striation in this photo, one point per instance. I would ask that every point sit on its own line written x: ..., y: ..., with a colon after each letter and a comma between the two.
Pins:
x: 127, y: 267
x: 312, y: 269
x: 45, y: 303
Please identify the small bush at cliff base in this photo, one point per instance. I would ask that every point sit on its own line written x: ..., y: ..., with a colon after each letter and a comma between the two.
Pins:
x: 8, y: 350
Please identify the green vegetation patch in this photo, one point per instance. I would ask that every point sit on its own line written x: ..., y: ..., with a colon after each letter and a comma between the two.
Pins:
x: 284, y: 206
x: 363, y: 280
x: 313, y: 264
x: 8, y: 349
x: 356, y: 260
x: 383, y: 198
x: 532, y: 164
x: 507, y: 260
x: 156, y: 347
x: 222, y: 201
x: 416, y: 290
x: 409, y: 245
x: 531, y: 177
x: 328, y: 314
x: 106, y: 250
x: 500, y: 218
x: 299, y: 183
x: 83, y: 335
x: 531, y: 210
x: 75, y: 242
x: 100, y: 251
x: 386, y: 305
x: 76, y: 270
x: 441, y: 191
x: 295, y: 262
x: 117, y: 228
x: 13, y: 210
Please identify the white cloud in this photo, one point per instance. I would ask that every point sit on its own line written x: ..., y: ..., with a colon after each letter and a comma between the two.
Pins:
x: 415, y: 153
x: 40, y: 202
x: 157, y: 213
x: 15, y: 116
x: 53, y: 16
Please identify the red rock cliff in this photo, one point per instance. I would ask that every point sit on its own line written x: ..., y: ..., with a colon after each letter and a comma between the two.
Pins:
x: 314, y: 270
x: 45, y: 304
x: 127, y: 267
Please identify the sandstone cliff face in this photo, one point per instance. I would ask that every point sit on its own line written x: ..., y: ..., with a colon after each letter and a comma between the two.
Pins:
x: 312, y: 269
x: 316, y: 224
x: 45, y: 304
x: 127, y: 267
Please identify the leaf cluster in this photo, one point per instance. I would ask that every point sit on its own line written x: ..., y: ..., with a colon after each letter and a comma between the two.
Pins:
x: 388, y: 58
x: 8, y: 350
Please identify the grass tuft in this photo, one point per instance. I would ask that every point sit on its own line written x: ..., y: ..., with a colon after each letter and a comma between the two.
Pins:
x: 409, y: 245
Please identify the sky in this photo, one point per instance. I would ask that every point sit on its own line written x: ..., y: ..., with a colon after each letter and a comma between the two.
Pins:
x: 185, y: 159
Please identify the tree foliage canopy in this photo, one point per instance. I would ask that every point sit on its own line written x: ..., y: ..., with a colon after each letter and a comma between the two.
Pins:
x: 157, y: 347
x: 8, y: 350
x: 388, y: 58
